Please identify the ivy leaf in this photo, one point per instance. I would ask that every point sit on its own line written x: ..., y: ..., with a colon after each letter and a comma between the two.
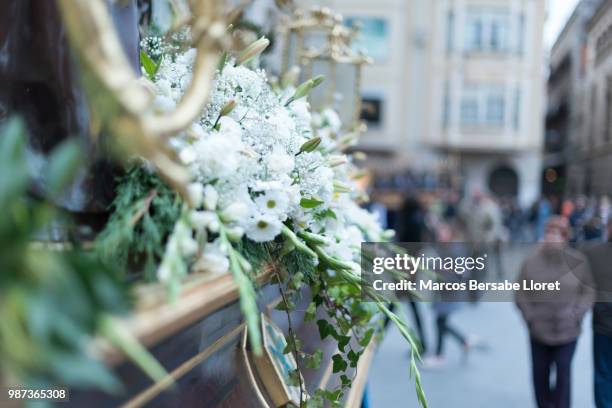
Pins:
x: 314, y: 360
x: 367, y: 337
x: 326, y: 329
x: 346, y: 381
x: 340, y: 365
x: 293, y: 344
x: 343, y: 341
x: 310, y: 312
x: 353, y: 358
x: 310, y: 203
x: 288, y: 307
x: 294, y: 378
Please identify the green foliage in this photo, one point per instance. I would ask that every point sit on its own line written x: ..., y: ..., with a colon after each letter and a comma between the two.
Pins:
x: 51, y: 302
x: 150, y: 67
x: 144, y: 213
x: 310, y: 202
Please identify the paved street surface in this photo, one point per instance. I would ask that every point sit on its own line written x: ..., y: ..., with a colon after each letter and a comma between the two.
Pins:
x: 496, y: 377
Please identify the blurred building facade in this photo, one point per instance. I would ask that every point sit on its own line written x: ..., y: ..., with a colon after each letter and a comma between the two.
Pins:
x: 485, y: 92
x: 590, y: 158
x: 456, y: 85
x: 563, y: 171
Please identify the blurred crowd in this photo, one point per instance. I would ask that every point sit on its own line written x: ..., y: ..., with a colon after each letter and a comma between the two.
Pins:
x: 578, y: 227
x: 426, y: 215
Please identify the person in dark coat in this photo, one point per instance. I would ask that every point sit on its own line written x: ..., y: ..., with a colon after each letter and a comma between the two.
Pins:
x: 554, y: 317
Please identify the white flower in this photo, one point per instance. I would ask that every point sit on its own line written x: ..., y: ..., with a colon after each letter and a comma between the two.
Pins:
x: 164, y: 87
x: 211, y: 197
x: 235, y: 233
x: 229, y: 128
x: 196, y: 194
x: 331, y: 119
x: 188, y: 246
x: 280, y: 162
x: 204, y: 219
x: 263, y: 227
x: 273, y: 202
x: 187, y: 155
x: 213, y: 260
x: 236, y: 211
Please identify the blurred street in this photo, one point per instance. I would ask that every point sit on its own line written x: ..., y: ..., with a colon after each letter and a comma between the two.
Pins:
x: 498, y: 376
x: 495, y: 373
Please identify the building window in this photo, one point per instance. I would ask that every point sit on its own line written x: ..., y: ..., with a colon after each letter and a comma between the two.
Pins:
x: 373, y: 37
x: 496, y: 106
x: 483, y: 105
x: 521, y: 34
x: 450, y: 28
x: 517, y: 109
x: 371, y: 110
x: 446, y: 106
x: 487, y: 30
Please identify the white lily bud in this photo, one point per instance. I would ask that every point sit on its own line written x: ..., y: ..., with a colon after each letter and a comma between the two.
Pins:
x: 235, y: 234
x: 252, y: 51
x: 340, y: 187
x: 337, y: 160
x: 211, y: 197
x: 235, y: 212
x: 196, y: 194
x: 202, y: 219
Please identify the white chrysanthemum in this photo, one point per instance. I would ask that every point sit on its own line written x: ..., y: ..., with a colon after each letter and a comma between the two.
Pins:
x: 275, y: 203
x: 263, y: 228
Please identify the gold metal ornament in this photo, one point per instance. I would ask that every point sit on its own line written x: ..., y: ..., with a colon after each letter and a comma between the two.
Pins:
x: 122, y: 102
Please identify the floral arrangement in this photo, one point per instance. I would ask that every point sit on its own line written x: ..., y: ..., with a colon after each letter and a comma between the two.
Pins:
x: 271, y: 183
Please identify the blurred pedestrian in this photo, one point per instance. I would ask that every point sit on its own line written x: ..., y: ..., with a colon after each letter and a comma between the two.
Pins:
x: 577, y: 219
x: 543, y: 213
x: 410, y: 229
x: 554, y: 318
x: 600, y: 258
x: 483, y: 222
x: 450, y: 301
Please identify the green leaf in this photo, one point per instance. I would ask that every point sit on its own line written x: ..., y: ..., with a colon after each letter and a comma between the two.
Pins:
x: 314, y: 360
x: 343, y: 341
x: 329, y: 213
x: 367, y: 337
x: 310, y: 145
x: 345, y: 380
x: 294, y: 345
x: 294, y: 378
x: 339, y: 364
x: 62, y: 166
x: 325, y: 329
x: 353, y: 357
x: 149, y: 65
x: 310, y: 312
x: 13, y: 169
x: 285, y: 307
x: 310, y: 203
